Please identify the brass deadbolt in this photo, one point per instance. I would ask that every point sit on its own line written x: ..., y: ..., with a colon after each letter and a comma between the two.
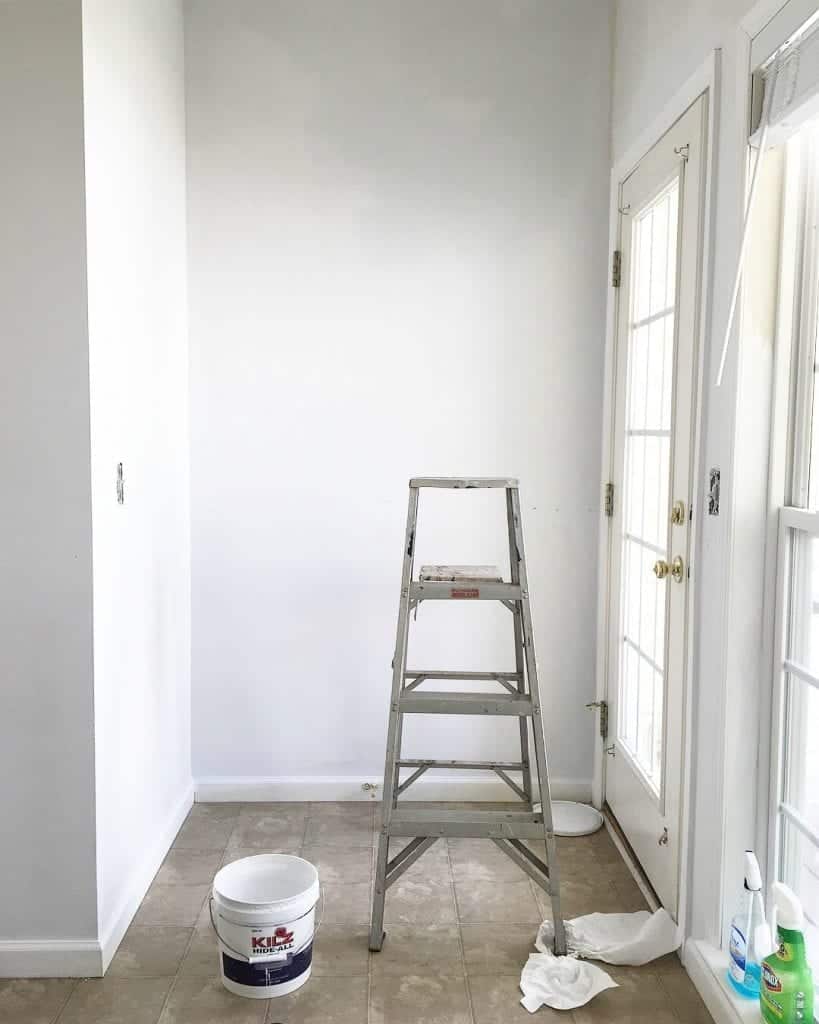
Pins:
x: 678, y: 513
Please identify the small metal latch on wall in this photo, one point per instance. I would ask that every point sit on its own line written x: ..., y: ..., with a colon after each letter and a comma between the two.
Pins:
x: 603, y: 708
x: 616, y: 264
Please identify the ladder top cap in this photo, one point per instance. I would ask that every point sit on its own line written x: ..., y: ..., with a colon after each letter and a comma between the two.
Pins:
x: 464, y: 482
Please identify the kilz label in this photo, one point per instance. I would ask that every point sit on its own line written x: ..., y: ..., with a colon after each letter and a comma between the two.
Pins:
x: 465, y: 593
x: 280, y: 940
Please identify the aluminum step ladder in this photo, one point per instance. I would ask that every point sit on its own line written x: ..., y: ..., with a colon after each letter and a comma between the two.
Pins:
x: 521, y: 698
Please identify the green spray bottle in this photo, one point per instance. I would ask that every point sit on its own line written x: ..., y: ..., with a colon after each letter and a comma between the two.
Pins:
x: 786, y: 993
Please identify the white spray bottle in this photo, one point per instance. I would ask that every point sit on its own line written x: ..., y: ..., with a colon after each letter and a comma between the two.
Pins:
x: 750, y: 939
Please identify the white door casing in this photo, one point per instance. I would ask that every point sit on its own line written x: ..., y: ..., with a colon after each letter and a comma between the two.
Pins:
x: 654, y: 418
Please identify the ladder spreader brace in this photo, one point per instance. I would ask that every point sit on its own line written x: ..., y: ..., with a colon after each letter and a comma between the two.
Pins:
x: 520, y: 699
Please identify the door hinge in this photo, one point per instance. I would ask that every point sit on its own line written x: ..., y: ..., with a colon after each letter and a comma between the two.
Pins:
x: 608, y: 500
x: 616, y: 262
x: 603, y: 707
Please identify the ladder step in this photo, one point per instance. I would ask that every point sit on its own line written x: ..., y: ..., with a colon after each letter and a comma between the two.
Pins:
x: 475, y: 590
x: 467, y: 824
x: 464, y: 482
x: 426, y: 762
x: 507, y: 680
x: 416, y: 673
x: 460, y: 574
x: 419, y: 702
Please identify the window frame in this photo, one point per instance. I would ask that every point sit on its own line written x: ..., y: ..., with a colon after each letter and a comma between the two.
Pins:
x: 795, y: 424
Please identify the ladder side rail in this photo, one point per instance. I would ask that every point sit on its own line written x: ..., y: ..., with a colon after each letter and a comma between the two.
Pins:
x: 514, y: 576
x: 399, y: 661
x: 391, y: 770
x: 537, y: 727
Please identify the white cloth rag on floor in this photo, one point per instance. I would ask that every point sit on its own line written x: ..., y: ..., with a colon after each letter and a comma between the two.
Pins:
x: 561, y: 982
x: 633, y: 939
x: 564, y: 982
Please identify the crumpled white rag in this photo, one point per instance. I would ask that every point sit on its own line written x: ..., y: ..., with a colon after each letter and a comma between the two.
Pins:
x: 616, y: 938
x: 562, y: 982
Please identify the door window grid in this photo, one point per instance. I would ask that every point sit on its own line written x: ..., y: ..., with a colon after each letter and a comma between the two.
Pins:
x: 649, y: 374
x: 795, y: 719
x: 797, y: 808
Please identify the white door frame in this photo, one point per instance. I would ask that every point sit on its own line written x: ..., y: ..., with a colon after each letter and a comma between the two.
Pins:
x: 706, y: 79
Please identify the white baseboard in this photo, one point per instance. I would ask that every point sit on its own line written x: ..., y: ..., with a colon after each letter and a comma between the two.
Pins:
x: 50, y: 958
x: 706, y: 967
x: 249, y: 788
x: 115, y: 928
x: 89, y: 958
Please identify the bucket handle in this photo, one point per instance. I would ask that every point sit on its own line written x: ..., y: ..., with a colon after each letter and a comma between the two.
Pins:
x: 266, y: 959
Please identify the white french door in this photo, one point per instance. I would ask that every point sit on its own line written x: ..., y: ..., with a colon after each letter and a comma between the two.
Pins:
x: 652, y: 449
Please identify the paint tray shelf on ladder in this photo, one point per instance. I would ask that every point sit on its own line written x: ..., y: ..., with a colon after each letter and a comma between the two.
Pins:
x: 521, y: 699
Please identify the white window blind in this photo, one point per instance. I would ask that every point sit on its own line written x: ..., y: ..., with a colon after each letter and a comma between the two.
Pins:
x: 789, y: 84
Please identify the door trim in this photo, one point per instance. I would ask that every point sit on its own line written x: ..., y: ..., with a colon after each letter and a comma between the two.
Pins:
x: 705, y: 80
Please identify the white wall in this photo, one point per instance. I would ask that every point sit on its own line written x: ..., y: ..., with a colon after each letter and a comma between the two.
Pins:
x: 658, y: 45
x: 46, y: 699
x: 135, y: 171
x: 397, y: 244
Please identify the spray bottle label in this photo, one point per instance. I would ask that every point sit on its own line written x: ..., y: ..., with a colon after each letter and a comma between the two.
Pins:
x: 770, y: 979
x: 737, y: 947
x: 785, y: 952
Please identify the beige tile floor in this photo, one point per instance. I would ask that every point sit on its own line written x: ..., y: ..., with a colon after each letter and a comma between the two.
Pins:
x: 460, y: 924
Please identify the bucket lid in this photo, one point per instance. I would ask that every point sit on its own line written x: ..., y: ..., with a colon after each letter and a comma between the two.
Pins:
x: 573, y: 819
x: 264, y: 879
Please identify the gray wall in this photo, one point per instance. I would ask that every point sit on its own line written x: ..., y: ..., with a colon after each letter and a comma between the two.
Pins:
x: 397, y: 245
x: 46, y: 695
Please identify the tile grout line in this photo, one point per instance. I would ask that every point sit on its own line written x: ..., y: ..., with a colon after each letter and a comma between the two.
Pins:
x: 373, y: 849
x: 458, y: 924
x: 71, y: 991
x: 268, y: 1010
x: 175, y: 978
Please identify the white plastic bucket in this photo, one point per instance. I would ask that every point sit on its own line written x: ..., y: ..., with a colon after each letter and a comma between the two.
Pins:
x: 263, y: 912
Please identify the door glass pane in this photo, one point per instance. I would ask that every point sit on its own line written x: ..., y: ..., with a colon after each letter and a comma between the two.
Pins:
x: 800, y: 869
x: 802, y: 750
x: 803, y: 647
x: 647, y: 443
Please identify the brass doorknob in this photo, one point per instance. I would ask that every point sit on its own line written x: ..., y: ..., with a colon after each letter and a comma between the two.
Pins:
x: 662, y: 569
